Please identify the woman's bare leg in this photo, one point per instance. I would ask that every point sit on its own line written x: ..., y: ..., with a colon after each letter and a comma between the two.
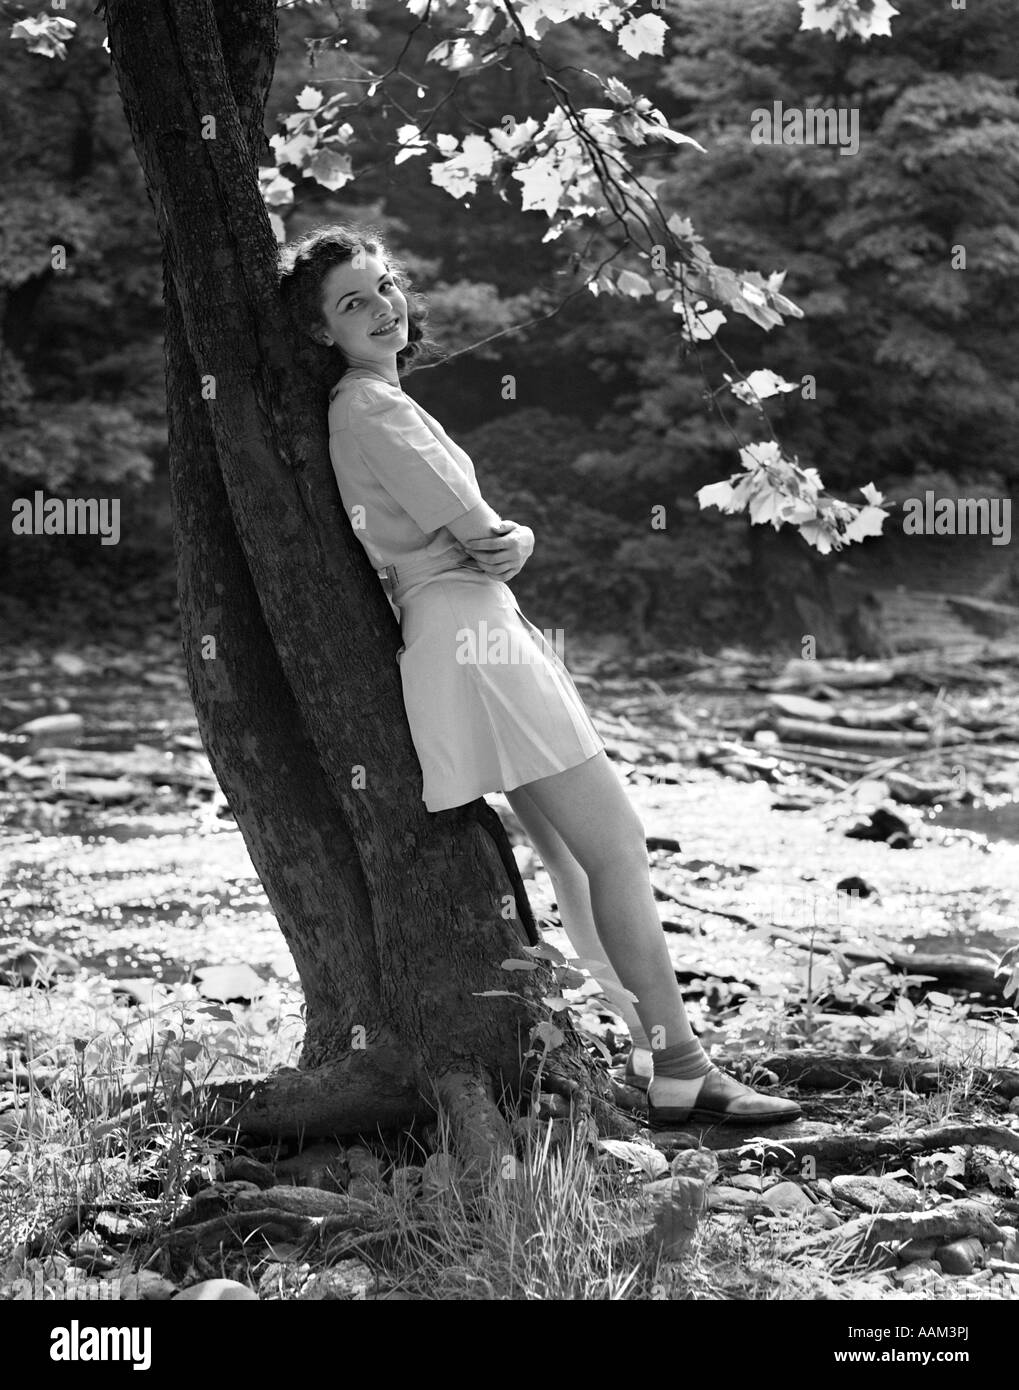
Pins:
x: 573, y: 898
x: 587, y: 809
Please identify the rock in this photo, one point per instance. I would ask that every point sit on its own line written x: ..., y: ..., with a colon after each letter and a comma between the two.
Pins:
x: 116, y: 1224
x: 751, y: 1182
x: 437, y: 1175
x: 283, y: 1278
x: 105, y: 791
x: 351, y: 1279
x: 69, y: 664
x: 241, y: 1168
x: 1013, y: 1106
x: 363, y: 1163
x: 733, y: 1198
x: 787, y: 1197
x: 855, y: 886
x: 960, y: 1256
x: 406, y: 1182
x: 885, y: 825
x: 229, y: 983
x: 216, y: 1290
x: 878, y: 1122
x: 924, y: 1274
x: 52, y: 731
x: 146, y: 1286
x: 876, y: 1194
x: 299, y: 1201
x: 320, y: 1165
x: 910, y: 1251
x: 822, y: 1218
x: 1009, y: 1242
x: 144, y: 992
x: 212, y: 1201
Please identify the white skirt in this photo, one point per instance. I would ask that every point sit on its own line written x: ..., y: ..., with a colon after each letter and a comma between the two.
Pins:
x: 490, y: 704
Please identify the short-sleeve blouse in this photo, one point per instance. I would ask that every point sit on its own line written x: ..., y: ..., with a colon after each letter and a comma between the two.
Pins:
x: 401, y: 478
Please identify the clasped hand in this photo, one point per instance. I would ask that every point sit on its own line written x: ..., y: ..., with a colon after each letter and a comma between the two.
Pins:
x: 504, y: 552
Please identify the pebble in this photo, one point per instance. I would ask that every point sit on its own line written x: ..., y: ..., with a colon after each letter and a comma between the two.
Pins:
x: 229, y: 983
x: 319, y: 1165
x: 787, y: 1197
x: 823, y: 1218
x: 216, y: 1290
x: 351, y: 1279
x: 733, y: 1198
x: 406, y: 1181
x: 878, y: 1122
x: 212, y: 1201
x: 362, y: 1163
x: 241, y: 1168
x: 751, y: 1182
x: 436, y: 1175
x: 910, y: 1251
x: 876, y: 1194
x: 960, y: 1256
x: 146, y: 1286
x: 924, y: 1274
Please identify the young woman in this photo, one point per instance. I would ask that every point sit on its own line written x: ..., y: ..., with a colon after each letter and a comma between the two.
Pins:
x: 493, y: 715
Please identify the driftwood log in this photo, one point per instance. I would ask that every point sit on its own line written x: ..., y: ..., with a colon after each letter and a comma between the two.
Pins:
x: 823, y: 1071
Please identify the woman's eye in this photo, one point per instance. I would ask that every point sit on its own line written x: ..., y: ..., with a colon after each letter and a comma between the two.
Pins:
x: 351, y: 304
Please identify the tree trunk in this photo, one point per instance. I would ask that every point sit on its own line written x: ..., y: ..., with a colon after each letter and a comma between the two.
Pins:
x: 396, y: 918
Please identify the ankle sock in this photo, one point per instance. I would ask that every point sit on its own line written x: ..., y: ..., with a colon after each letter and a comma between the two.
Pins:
x: 682, y: 1062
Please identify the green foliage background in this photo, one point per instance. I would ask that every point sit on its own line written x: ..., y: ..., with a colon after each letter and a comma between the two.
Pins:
x: 915, y: 363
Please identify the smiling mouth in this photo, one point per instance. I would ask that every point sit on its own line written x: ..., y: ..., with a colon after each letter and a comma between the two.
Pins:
x: 387, y: 328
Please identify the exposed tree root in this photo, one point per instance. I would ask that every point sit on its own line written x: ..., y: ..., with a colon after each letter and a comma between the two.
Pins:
x: 838, y: 1150
x: 480, y: 1131
x: 350, y: 1096
x: 823, y: 1071
x: 863, y: 1235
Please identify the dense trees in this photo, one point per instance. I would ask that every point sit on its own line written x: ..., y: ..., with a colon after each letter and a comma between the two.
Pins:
x: 915, y: 377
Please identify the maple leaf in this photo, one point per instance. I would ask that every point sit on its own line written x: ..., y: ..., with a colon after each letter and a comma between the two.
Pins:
x: 846, y: 17
x: 867, y: 522
x: 716, y: 495
x: 47, y: 35
x: 643, y: 34
x: 277, y: 190
x: 330, y: 169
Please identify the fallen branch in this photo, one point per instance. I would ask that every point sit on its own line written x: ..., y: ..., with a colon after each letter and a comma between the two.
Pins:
x: 861, y: 738
x: 821, y: 1071
x: 954, y: 972
x: 833, y: 1153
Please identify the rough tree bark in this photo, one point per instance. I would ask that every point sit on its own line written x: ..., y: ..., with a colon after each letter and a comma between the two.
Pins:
x: 396, y: 918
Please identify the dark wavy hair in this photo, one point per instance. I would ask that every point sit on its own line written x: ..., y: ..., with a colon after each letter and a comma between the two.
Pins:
x: 305, y: 262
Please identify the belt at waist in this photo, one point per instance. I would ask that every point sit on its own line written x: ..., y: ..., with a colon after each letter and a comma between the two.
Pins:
x: 397, y: 579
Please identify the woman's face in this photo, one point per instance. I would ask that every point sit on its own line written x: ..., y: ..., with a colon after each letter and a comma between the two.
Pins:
x: 365, y: 312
